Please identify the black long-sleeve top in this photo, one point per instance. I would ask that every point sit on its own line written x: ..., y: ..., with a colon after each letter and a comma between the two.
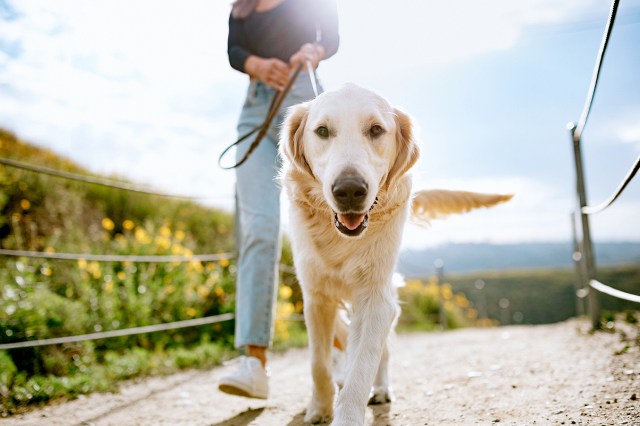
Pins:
x: 281, y: 31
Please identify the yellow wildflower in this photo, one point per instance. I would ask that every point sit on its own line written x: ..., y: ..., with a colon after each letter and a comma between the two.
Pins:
x: 224, y: 262
x: 165, y: 231
x: 94, y: 269
x: 285, y: 309
x: 285, y: 292
x: 191, y: 312
x: 108, y: 224
x: 196, y: 265
x: 128, y: 225
x: 162, y: 242
x: 121, y: 275
x: 142, y: 237
x: 49, y: 249
x: 82, y: 263
x: 447, y: 294
x: 203, y: 291
x: 46, y: 271
x: 25, y: 204
x: 461, y: 300
x: 179, y: 235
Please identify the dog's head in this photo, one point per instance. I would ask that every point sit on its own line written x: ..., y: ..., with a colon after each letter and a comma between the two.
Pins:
x: 354, y: 144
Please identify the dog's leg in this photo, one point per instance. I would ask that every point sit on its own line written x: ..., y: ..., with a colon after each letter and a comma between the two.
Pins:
x: 320, y: 314
x: 373, y: 315
x: 381, y: 385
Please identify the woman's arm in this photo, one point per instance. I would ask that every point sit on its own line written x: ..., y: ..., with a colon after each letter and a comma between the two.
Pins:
x: 271, y: 71
x: 236, y: 44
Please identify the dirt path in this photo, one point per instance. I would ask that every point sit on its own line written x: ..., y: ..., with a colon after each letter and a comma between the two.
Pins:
x: 526, y: 375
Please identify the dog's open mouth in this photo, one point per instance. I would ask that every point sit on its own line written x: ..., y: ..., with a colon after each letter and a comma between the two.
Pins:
x: 351, y: 224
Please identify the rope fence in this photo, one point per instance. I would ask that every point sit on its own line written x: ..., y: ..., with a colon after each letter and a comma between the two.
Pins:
x: 98, y: 180
x: 613, y: 292
x: 604, y: 205
x: 211, y: 257
x: 120, y: 332
x: 583, y: 255
x: 117, y: 258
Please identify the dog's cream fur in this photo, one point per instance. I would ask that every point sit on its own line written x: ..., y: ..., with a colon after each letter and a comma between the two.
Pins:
x: 356, y: 135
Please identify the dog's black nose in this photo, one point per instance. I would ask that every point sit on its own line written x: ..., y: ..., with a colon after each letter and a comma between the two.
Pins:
x: 350, y: 192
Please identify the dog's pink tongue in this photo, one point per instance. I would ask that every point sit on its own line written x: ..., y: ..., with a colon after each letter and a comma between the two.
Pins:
x: 351, y: 220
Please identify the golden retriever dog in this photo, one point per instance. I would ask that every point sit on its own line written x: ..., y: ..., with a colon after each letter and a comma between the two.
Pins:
x: 346, y: 155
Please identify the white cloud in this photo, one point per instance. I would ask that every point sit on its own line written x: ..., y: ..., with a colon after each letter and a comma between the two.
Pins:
x: 629, y: 132
x: 142, y: 89
x: 381, y: 39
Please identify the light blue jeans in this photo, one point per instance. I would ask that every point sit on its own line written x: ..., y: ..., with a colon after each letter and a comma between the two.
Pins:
x: 258, y: 214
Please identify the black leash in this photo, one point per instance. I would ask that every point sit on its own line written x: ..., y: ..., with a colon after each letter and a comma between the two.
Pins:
x: 263, y: 128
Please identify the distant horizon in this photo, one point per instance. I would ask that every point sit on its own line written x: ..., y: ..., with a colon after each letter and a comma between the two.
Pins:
x: 478, y: 257
x: 494, y: 243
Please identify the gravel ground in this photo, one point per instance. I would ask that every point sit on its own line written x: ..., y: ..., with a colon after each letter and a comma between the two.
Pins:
x: 522, y: 375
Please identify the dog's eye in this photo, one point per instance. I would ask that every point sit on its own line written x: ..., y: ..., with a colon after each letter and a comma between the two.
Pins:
x: 375, y: 131
x: 323, y: 132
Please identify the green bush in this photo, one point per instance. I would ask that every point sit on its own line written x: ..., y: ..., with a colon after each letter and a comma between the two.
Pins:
x: 42, y: 298
x: 7, y: 371
x: 421, y: 302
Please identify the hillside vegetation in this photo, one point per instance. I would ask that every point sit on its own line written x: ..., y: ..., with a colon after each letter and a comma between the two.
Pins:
x: 43, y: 298
x: 541, y: 296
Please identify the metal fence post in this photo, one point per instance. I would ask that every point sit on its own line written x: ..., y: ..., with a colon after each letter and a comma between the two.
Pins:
x: 586, y: 244
x: 581, y: 285
x: 481, y: 298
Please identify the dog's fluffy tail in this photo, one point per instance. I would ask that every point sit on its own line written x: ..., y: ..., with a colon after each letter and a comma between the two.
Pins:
x: 438, y: 203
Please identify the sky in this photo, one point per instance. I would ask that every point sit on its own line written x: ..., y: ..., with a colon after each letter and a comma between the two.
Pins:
x: 143, y: 90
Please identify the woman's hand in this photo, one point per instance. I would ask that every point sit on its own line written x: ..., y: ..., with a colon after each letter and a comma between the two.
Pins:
x: 311, y: 52
x: 271, y: 71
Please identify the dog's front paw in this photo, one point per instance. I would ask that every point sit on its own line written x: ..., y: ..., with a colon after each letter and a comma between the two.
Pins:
x: 317, y: 415
x: 382, y: 395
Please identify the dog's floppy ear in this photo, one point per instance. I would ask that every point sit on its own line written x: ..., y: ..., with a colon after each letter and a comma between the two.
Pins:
x: 407, y: 151
x: 291, y: 136
x: 438, y: 203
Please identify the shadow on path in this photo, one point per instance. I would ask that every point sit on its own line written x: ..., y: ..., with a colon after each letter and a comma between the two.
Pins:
x: 298, y: 419
x: 242, y: 419
x: 133, y: 402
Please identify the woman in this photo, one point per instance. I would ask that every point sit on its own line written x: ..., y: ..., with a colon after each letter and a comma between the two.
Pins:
x: 268, y: 39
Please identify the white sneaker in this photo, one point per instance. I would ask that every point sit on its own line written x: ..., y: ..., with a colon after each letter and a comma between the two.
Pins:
x: 250, y: 379
x: 339, y: 363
